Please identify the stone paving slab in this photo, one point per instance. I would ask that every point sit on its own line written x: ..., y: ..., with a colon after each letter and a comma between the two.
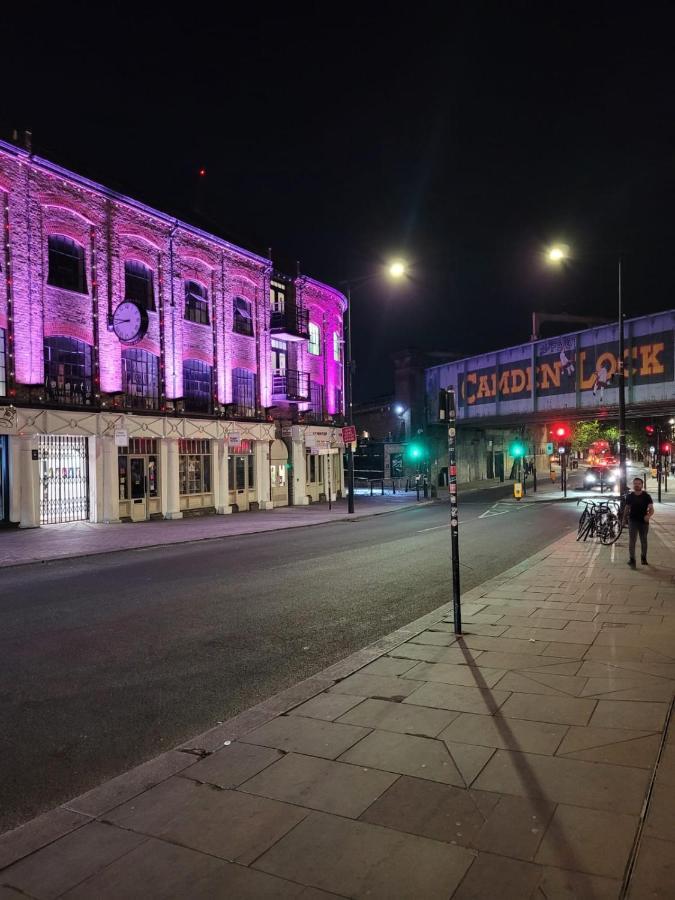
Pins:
x: 511, y: 762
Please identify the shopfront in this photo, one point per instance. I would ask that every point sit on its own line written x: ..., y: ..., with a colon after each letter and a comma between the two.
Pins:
x: 195, y: 467
x: 279, y: 473
x: 241, y: 476
x: 4, y: 480
x: 138, y: 471
x: 64, y: 478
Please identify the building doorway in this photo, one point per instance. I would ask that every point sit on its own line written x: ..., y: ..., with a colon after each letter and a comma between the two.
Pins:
x: 499, y: 464
x: 64, y: 478
x: 138, y: 471
x: 4, y: 481
x: 279, y: 473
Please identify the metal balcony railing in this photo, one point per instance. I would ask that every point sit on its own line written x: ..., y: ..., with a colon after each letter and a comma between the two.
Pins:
x: 291, y: 385
x: 292, y: 322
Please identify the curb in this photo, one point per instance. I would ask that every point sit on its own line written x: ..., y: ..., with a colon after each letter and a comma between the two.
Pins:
x: 95, y: 803
x: 346, y: 517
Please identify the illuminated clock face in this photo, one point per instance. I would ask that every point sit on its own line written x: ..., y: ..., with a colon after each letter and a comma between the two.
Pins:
x: 130, y: 322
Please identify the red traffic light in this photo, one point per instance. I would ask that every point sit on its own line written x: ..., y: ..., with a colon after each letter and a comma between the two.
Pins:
x: 561, y: 431
x: 665, y: 448
x: 649, y: 429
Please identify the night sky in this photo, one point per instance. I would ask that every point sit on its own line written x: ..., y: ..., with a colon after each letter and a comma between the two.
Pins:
x: 464, y: 144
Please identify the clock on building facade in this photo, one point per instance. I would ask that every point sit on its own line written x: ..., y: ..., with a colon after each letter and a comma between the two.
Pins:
x: 130, y: 322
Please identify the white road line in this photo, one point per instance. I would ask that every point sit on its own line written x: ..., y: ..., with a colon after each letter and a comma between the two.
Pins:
x: 435, y: 528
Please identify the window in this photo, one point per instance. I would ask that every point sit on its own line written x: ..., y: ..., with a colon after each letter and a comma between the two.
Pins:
x: 196, y: 303
x: 138, y: 284
x: 243, y: 392
x: 140, y: 379
x: 314, y: 343
x: 68, y: 372
x: 241, y: 467
x: 3, y: 367
x: 315, y: 411
x: 66, y: 264
x: 243, y: 317
x: 279, y: 356
x: 277, y: 296
x: 337, y: 349
x: 314, y: 473
x: 194, y: 466
x: 197, y: 386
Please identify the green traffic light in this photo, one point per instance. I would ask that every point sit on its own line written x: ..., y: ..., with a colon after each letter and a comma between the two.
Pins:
x: 517, y: 450
x: 415, y: 451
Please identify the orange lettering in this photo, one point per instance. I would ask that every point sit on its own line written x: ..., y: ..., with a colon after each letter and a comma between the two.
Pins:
x: 651, y: 364
x: 483, y: 388
x: 470, y: 379
x: 518, y: 381
x: 504, y: 383
x: 549, y: 373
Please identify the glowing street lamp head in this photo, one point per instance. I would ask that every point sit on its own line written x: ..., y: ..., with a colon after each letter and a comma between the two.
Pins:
x: 398, y: 409
x: 557, y: 253
x: 397, y: 268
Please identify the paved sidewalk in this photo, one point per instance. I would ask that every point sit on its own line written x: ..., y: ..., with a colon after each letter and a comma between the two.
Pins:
x: 20, y: 547
x: 511, y: 763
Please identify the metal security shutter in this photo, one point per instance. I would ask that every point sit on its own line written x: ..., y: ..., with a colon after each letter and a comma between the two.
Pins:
x: 64, y: 479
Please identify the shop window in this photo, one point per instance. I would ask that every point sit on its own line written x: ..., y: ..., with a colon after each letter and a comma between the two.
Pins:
x: 139, y: 284
x: 3, y: 363
x: 313, y: 468
x: 68, y: 371
x: 196, y: 303
x: 66, y: 263
x: 241, y: 467
x: 244, y: 392
x: 243, y: 317
x: 197, y: 386
x: 194, y: 466
x: 140, y: 379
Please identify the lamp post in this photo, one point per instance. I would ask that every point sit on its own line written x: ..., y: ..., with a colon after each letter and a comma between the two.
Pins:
x: 397, y: 269
x: 557, y: 255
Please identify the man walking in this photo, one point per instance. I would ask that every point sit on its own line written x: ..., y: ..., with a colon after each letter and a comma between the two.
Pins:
x: 637, y: 512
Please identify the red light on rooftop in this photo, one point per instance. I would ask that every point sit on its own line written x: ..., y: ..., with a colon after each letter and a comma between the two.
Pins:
x: 202, y: 172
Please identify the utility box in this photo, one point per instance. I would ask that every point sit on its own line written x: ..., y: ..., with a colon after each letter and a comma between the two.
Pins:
x: 518, y: 490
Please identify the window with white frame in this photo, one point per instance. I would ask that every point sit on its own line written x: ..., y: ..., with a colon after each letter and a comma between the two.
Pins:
x: 194, y: 466
x: 337, y: 347
x: 314, y: 343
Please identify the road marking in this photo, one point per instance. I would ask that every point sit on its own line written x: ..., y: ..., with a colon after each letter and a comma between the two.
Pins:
x: 435, y: 528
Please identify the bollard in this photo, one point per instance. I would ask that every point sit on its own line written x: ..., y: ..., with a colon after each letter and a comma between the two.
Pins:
x: 371, y: 488
x: 382, y: 487
x: 417, y: 490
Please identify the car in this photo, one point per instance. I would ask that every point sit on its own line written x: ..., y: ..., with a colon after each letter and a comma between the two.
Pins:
x: 600, y: 476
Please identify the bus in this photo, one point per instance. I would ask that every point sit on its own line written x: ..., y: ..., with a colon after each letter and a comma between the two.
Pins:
x: 600, y: 454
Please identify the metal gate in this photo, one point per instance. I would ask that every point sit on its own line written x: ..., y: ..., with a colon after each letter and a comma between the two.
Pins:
x: 64, y: 478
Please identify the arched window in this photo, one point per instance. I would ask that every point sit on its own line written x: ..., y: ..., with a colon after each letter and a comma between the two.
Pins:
x: 68, y: 372
x: 242, y: 321
x: 196, y: 303
x: 197, y: 386
x: 66, y: 264
x: 139, y: 284
x: 140, y: 379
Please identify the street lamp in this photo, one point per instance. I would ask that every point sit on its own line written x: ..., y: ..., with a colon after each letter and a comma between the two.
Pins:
x: 396, y: 270
x: 557, y: 254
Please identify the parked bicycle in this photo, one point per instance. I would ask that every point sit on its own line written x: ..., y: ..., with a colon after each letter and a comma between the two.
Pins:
x: 602, y: 519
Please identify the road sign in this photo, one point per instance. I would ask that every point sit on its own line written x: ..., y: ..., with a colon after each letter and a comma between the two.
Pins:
x: 349, y: 434
x: 549, y: 449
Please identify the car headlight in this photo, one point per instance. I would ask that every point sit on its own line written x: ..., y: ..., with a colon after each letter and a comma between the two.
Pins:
x: 590, y: 479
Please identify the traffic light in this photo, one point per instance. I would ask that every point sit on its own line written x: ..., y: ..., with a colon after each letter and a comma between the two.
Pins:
x: 561, y: 431
x: 665, y: 448
x: 416, y: 451
x: 649, y: 429
x: 517, y: 449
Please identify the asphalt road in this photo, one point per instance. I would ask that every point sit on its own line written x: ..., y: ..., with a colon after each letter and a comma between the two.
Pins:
x: 108, y: 660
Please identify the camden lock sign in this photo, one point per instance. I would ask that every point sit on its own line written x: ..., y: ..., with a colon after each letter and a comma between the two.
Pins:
x: 560, y: 369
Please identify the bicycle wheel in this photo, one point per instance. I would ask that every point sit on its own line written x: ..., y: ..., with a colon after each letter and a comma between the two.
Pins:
x: 611, y: 530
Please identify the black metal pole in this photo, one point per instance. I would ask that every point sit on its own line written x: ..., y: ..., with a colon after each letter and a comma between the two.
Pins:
x: 454, y: 515
x: 350, y: 411
x: 659, y: 461
x: 622, y: 393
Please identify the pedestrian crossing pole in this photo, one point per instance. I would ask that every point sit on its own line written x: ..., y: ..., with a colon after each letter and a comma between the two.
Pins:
x: 447, y: 412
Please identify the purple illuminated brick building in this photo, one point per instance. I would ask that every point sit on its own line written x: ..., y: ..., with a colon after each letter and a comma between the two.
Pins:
x: 149, y: 369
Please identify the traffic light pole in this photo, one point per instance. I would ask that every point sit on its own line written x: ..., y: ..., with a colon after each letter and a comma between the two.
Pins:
x: 448, y: 412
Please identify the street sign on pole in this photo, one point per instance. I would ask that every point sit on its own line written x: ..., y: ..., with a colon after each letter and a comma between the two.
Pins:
x: 349, y: 434
x: 448, y: 413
